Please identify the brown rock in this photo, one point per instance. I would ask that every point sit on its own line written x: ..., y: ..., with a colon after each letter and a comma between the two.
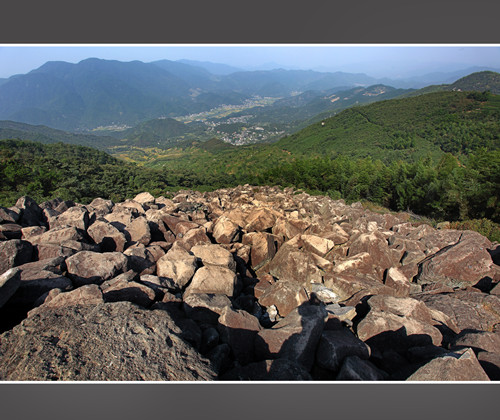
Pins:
x: 38, y: 278
x: 263, y: 248
x: 31, y: 214
x: 469, y: 309
x: 478, y: 341
x: 238, y: 329
x: 144, y: 198
x: 225, y: 231
x: 356, y: 369
x: 85, y: 295
x: 75, y: 216
x: 214, y: 280
x: 451, y: 367
x: 10, y: 231
x: 398, y: 281
x: 108, y: 237
x: 59, y: 235
x: 194, y: 237
x: 286, y: 296
x: 117, y: 290
x: 212, y: 254
x: 139, y: 230
x: 260, y: 220
x: 87, y: 267
x: 46, y: 251
x: 178, y: 265
x: 461, y: 264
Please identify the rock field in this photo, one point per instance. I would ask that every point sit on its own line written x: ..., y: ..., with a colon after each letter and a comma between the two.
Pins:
x: 249, y: 283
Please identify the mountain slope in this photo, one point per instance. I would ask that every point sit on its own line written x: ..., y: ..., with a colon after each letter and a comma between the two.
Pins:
x: 405, y: 128
x: 478, y: 81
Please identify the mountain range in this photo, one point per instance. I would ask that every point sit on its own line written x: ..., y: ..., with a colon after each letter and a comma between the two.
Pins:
x: 96, y: 92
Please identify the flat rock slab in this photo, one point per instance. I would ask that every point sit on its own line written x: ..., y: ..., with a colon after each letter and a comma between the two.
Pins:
x: 111, y: 341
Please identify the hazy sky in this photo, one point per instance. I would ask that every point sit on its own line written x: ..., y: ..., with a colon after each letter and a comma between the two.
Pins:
x: 378, y: 61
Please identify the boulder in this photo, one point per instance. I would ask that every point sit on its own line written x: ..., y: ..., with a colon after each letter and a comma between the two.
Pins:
x: 107, y: 236
x: 468, y: 309
x: 263, y: 248
x: 59, y: 235
x: 178, y: 265
x: 451, y: 367
x: 8, y: 216
x: 335, y: 346
x: 215, y: 280
x: 461, y: 264
x: 75, y: 216
x: 397, y: 280
x: 138, y: 230
x: 13, y: 253
x: 141, y: 260
x: 478, y: 341
x: 38, y: 278
x: 225, y: 231
x: 285, y: 296
x: 144, y: 198
x: 110, y: 341
x: 10, y: 231
x: 47, y: 251
x: 31, y: 214
x: 87, y: 267
x: 238, y: 329
x: 117, y: 290
x: 215, y: 255
x: 85, y: 295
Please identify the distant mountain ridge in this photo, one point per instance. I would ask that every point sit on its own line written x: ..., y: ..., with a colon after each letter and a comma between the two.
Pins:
x: 96, y: 92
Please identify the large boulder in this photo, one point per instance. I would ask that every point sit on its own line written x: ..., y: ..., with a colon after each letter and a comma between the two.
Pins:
x: 107, y: 236
x: 215, y: 255
x: 178, y: 265
x: 462, y: 264
x: 111, y: 341
x: 87, y: 267
x: 214, y: 279
x: 451, y: 367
